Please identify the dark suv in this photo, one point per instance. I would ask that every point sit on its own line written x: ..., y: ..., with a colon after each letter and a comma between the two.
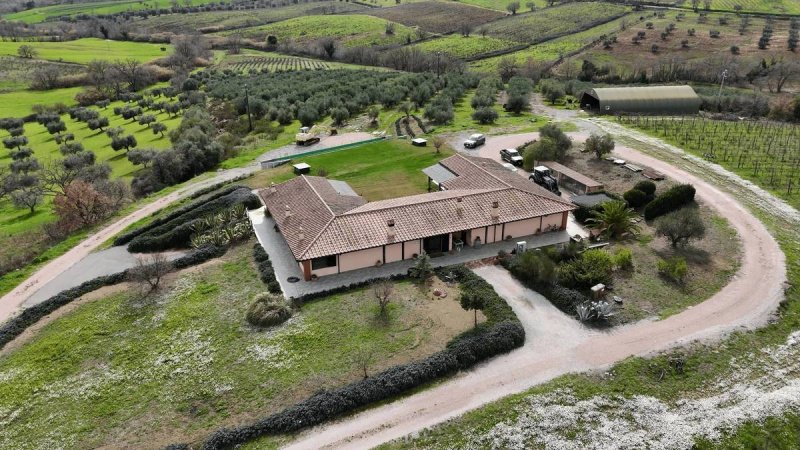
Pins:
x: 511, y: 155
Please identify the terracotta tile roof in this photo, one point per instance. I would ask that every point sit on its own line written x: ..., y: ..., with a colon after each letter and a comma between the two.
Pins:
x: 334, y: 224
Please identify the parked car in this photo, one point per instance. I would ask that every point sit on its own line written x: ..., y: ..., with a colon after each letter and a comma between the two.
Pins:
x: 511, y: 155
x: 475, y: 140
x: 510, y: 167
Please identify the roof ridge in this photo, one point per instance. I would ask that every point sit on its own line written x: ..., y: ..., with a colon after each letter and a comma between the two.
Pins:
x: 469, y: 192
x: 317, y: 193
x: 333, y: 215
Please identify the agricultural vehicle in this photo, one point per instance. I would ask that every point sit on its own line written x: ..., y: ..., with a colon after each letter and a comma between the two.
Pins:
x: 307, y: 136
x: 542, y: 176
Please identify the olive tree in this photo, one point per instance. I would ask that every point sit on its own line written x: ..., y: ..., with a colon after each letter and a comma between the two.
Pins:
x: 680, y: 226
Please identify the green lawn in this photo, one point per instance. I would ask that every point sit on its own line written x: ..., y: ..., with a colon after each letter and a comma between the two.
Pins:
x: 350, y: 30
x: 82, y: 51
x: 506, y: 122
x: 465, y: 47
x: 37, y: 15
x: 123, y: 371
x: 377, y: 171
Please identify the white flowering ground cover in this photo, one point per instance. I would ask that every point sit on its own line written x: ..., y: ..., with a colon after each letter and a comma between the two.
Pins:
x: 123, y: 372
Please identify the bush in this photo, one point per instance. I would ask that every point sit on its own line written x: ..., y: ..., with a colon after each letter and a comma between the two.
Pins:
x: 593, y: 267
x: 669, y: 201
x: 265, y: 270
x: 268, y: 310
x: 485, y: 115
x: 646, y: 186
x: 623, y: 259
x: 635, y: 198
x: 565, y: 299
x: 674, y: 268
x: 533, y: 267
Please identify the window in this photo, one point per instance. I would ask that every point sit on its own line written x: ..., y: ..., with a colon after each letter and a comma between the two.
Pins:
x: 324, y: 262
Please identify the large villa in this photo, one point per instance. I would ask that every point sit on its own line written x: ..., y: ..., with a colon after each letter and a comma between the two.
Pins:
x: 330, y: 229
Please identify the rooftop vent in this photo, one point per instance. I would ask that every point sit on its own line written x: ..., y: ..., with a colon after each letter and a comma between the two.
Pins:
x: 390, y: 232
x: 288, y: 211
x: 272, y: 189
x: 301, y: 233
x: 495, y: 210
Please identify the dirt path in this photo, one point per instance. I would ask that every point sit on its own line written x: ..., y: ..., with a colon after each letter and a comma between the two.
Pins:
x: 747, y: 302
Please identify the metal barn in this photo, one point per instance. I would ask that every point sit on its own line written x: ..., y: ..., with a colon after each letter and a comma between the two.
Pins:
x: 670, y: 100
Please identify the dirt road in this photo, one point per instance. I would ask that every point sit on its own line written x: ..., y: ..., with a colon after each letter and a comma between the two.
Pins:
x: 747, y: 302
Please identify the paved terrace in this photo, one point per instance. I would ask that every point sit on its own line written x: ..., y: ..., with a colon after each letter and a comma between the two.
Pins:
x: 285, y: 265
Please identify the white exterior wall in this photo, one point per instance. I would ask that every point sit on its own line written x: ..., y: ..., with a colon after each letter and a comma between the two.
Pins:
x: 360, y: 259
x: 394, y: 252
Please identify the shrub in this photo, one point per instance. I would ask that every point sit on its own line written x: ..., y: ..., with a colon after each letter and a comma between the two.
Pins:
x: 635, y: 198
x: 674, y: 268
x: 623, y: 259
x: 265, y: 270
x: 593, y: 267
x: 268, y: 310
x: 565, y: 299
x: 680, y: 226
x: 669, y: 201
x: 533, y: 267
x: 485, y: 115
x: 646, y: 186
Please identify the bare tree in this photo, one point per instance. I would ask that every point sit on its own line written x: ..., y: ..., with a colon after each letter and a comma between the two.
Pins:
x: 235, y: 43
x: 363, y: 358
x: 26, y: 51
x: 149, y: 270
x: 438, y: 143
x: 513, y: 7
x: 383, y: 292
x: 132, y: 72
x: 328, y: 46
x: 781, y: 73
x: 45, y: 77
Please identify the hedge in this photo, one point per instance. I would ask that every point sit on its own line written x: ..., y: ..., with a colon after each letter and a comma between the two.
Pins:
x: 636, y: 198
x: 669, y: 201
x: 176, y: 232
x: 265, y: 270
x: 29, y: 316
x: 127, y: 237
x: 646, y: 186
x: 327, y: 405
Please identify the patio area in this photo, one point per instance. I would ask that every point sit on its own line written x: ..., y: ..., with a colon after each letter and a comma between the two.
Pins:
x: 285, y: 265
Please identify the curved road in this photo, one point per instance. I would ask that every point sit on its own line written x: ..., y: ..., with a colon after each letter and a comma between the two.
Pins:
x: 746, y: 302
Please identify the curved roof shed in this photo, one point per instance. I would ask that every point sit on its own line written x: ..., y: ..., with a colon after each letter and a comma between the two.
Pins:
x: 648, y: 100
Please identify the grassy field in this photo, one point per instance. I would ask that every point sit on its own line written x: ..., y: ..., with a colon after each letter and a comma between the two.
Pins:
x: 211, y: 21
x: 37, y: 15
x: 19, y: 103
x: 437, y: 17
x: 551, y: 22
x: 501, y: 6
x: 368, y: 169
x: 82, y: 51
x: 458, y: 46
x: 16, y: 73
x: 505, y: 123
x: 762, y: 6
x: 552, y: 50
x: 145, y: 372
x: 350, y: 30
x: 625, y: 56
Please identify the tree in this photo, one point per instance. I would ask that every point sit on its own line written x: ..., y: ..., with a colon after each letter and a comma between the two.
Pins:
x: 45, y: 77
x: 533, y: 267
x: 150, y: 270
x: 472, y: 299
x: 516, y: 103
x: 71, y: 148
x: 328, y: 46
x: 146, y: 119
x: 406, y: 107
x: 158, y: 128
x: 340, y: 115
x: 438, y: 143
x: 382, y: 290
x: 513, y: 7
x: 553, y: 92
x: 373, y: 112
x: 56, y: 127
x: 422, y: 269
x: 363, y: 357
x: 26, y: 51
x: 15, y: 142
x: 615, y: 219
x: 531, y: 5
x: 127, y: 142
x: 485, y: 115
x: 27, y: 197
x: 141, y: 157
x: 680, y: 226
x: 507, y: 68
x: 98, y: 124
x: 600, y: 145
x: 81, y: 205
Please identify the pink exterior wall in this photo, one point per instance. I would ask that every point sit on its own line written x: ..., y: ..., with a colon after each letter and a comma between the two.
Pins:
x: 521, y: 228
x: 412, y: 247
x: 394, y: 252
x: 325, y: 271
x: 476, y: 233
x: 553, y: 219
x: 360, y: 259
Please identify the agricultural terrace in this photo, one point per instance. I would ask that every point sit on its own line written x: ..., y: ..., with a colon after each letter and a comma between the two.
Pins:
x: 273, y: 64
x: 766, y: 153
x: 438, y: 17
x: 458, y: 46
x: 762, y: 6
x: 17, y: 73
x: 549, y: 23
x: 82, y: 51
x: 212, y: 21
x: 501, y: 6
x: 689, y: 46
x: 44, y: 13
x: 349, y: 30
x: 177, y: 364
x: 553, y: 50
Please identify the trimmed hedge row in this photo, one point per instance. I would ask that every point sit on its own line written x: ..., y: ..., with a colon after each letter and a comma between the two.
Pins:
x: 671, y: 200
x: 326, y: 405
x: 265, y: 270
x: 176, y: 233
x: 127, y: 237
x: 31, y: 315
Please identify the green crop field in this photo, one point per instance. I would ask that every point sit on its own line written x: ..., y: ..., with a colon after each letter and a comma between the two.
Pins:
x: 437, y: 17
x: 84, y: 50
x: 211, y: 21
x: 762, y: 6
x: 37, y: 15
x: 465, y: 47
x: 552, y: 50
x: 551, y: 22
x: 350, y: 30
x: 19, y: 103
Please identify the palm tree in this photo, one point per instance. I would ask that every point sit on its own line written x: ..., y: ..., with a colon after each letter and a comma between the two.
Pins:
x: 614, y: 220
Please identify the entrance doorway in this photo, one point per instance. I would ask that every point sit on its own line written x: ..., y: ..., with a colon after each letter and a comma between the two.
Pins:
x: 436, y: 245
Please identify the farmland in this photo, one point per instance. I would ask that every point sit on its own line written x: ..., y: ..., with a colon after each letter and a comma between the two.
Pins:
x: 19, y: 103
x: 17, y: 73
x: 762, y: 6
x: 42, y: 14
x: 500, y: 6
x: 274, y: 64
x: 462, y: 47
x: 764, y: 152
x: 351, y: 30
x: 212, y: 21
x: 551, y: 51
x: 82, y: 51
x: 549, y: 23
x: 438, y: 17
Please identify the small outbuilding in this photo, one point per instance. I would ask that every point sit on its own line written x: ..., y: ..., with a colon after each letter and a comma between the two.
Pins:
x: 301, y: 169
x: 670, y: 100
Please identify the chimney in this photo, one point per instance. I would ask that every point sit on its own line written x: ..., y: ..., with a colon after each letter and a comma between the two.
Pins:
x: 272, y: 189
x: 390, y: 232
x: 300, y: 233
x: 288, y: 211
x: 459, y: 207
x: 495, y: 210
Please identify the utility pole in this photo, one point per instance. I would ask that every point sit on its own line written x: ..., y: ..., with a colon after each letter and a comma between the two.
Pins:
x: 247, y: 106
x: 438, y: 56
x: 721, y: 84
